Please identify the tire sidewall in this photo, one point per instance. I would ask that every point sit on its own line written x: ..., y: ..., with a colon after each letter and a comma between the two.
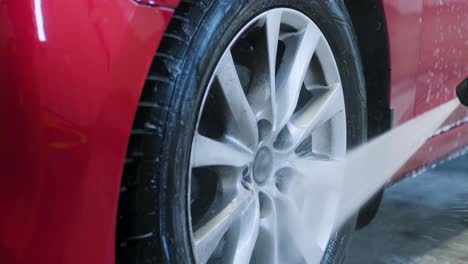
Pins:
x: 221, y: 23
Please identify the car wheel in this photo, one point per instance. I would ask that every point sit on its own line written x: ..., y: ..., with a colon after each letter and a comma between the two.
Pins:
x: 237, y: 91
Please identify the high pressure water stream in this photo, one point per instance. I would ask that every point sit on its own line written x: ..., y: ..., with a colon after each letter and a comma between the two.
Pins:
x: 357, y: 177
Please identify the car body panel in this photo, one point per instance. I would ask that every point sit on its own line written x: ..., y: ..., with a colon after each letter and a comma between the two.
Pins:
x: 439, y: 147
x: 443, y: 59
x: 160, y: 3
x: 429, y: 58
x: 71, y: 75
x: 404, y: 29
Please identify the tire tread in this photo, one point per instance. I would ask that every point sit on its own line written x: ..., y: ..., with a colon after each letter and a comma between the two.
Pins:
x: 137, y: 232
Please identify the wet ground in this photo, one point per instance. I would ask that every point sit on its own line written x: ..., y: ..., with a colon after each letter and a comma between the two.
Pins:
x: 422, y: 220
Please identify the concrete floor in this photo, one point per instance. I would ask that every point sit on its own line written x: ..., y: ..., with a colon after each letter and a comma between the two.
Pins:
x: 422, y: 220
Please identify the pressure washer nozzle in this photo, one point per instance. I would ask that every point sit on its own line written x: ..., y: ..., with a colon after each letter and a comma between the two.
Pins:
x: 462, y: 92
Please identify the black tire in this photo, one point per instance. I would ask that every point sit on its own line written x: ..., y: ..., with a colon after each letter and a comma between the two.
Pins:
x: 369, y: 210
x: 153, y: 212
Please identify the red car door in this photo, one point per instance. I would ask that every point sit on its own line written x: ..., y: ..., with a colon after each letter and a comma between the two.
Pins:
x: 443, y: 60
x: 442, y: 65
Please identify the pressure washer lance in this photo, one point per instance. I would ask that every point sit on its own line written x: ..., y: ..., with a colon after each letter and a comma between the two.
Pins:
x: 462, y: 92
x: 362, y: 173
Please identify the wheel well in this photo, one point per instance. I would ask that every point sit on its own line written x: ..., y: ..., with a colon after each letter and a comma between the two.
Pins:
x: 369, y: 23
x: 368, y: 18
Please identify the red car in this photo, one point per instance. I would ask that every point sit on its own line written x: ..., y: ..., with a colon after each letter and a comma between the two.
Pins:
x: 165, y: 131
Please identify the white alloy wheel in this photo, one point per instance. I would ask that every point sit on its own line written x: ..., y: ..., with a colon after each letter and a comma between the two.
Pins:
x: 257, y: 119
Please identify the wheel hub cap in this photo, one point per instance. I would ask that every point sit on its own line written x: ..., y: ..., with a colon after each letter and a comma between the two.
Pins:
x: 263, y: 165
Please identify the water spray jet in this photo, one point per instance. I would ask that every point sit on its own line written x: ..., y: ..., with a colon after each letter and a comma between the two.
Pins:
x: 362, y: 173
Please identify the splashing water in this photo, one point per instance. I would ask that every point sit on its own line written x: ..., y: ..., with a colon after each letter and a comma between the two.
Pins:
x: 355, y: 179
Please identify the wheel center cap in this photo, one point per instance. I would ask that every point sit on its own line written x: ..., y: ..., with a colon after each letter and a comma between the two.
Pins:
x: 263, y: 165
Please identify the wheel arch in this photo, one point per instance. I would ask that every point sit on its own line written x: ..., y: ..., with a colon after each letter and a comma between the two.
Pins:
x: 369, y: 22
x: 368, y: 18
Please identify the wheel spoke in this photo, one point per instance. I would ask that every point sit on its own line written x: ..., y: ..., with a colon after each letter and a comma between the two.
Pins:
x: 311, y: 252
x: 298, y: 54
x: 244, y: 117
x: 317, y: 195
x: 289, y: 224
x: 267, y: 245
x: 316, y: 113
x: 273, y: 22
x: 208, y: 236
x: 209, y: 152
x: 303, y: 243
x: 315, y: 87
x: 249, y: 228
x: 328, y: 63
